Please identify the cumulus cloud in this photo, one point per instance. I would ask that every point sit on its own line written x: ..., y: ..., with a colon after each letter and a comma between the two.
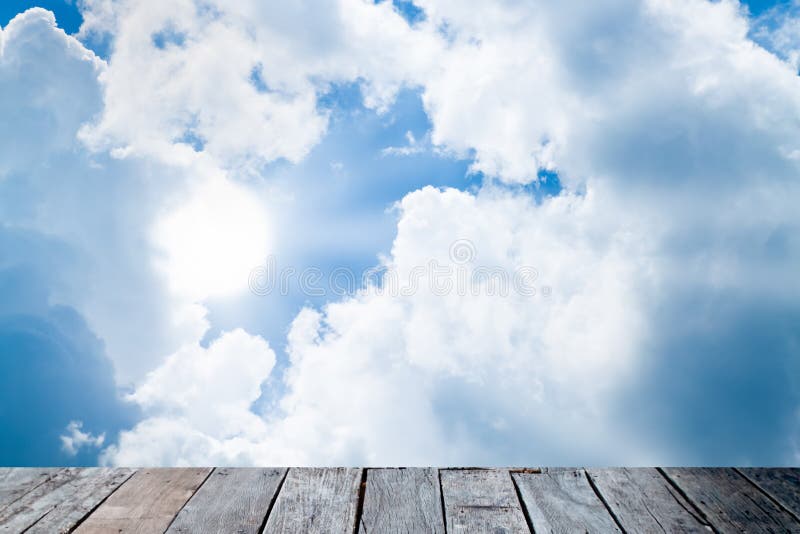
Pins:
x: 76, y: 439
x: 240, y: 80
x: 675, y: 136
x: 198, y: 404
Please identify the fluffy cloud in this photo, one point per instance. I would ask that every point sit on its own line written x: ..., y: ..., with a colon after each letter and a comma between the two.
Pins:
x: 75, y: 438
x: 240, y: 79
x: 198, y: 404
x: 676, y: 139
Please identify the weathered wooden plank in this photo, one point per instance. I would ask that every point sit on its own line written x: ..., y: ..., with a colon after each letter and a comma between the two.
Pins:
x: 401, y: 501
x: 35, y: 503
x: 481, y: 500
x: 783, y: 485
x: 316, y: 500
x: 642, y: 500
x: 16, y: 482
x: 231, y: 500
x: 71, y: 502
x: 729, y: 502
x: 146, y: 503
x: 562, y: 500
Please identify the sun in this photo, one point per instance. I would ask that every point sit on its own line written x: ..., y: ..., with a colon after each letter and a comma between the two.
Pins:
x: 209, y: 244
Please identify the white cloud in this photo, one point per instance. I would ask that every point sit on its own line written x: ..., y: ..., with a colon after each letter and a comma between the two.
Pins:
x: 116, y: 217
x: 242, y: 77
x: 672, y: 132
x: 201, y: 396
x: 75, y: 439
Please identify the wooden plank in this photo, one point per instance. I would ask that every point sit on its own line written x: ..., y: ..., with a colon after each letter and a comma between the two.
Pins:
x: 231, y: 500
x: 481, y: 500
x: 643, y: 500
x: 562, y: 500
x: 34, y: 504
x: 402, y: 500
x: 316, y: 500
x: 73, y: 501
x: 783, y: 485
x: 16, y: 482
x: 729, y: 502
x: 146, y: 503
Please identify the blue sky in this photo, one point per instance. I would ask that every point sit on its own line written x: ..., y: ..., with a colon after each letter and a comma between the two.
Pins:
x: 650, y: 188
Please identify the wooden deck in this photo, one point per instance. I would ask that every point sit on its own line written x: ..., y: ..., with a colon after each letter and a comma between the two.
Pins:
x: 179, y: 500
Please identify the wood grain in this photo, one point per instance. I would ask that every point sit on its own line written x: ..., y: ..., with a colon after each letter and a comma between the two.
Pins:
x: 729, y: 502
x: 34, y: 504
x: 316, y: 500
x: 481, y: 500
x: 782, y: 484
x: 74, y: 500
x: 146, y: 503
x: 562, y: 500
x: 642, y: 500
x: 231, y: 500
x: 402, y: 500
x: 14, y: 483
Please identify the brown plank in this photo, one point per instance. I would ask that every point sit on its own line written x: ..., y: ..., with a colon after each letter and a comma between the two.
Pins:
x: 231, y: 500
x: 316, y: 500
x: 729, y: 502
x: 71, y: 502
x: 15, y: 482
x: 402, y: 500
x: 481, y: 500
x: 643, y: 500
x: 783, y: 485
x: 562, y: 500
x: 146, y: 503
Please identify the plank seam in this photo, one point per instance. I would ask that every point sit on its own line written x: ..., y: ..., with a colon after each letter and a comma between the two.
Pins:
x: 174, y: 517
x: 47, y: 479
x: 767, y: 494
x: 686, y: 497
x: 441, y: 499
x: 522, y: 504
x: 603, y: 500
x: 362, y: 490
x: 104, y: 499
x: 273, y: 501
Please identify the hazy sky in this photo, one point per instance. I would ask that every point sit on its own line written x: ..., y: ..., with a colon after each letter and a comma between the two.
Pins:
x: 376, y: 233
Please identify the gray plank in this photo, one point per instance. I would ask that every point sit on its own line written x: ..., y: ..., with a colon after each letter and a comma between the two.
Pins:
x: 316, y: 500
x: 146, y: 503
x: 231, y: 500
x: 481, y: 500
x: 34, y: 504
x: 74, y: 500
x: 562, y: 500
x: 402, y: 500
x: 16, y: 482
x: 729, y: 502
x: 783, y: 485
x: 642, y: 500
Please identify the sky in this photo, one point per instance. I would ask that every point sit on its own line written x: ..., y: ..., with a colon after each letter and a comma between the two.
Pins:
x: 399, y: 233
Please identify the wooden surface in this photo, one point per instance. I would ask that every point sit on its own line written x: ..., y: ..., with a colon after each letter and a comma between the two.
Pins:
x: 642, y: 500
x: 481, y: 500
x: 562, y: 500
x: 317, y: 500
x: 231, y: 500
x: 146, y: 503
x: 730, y: 502
x: 437, y: 501
x: 402, y: 500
